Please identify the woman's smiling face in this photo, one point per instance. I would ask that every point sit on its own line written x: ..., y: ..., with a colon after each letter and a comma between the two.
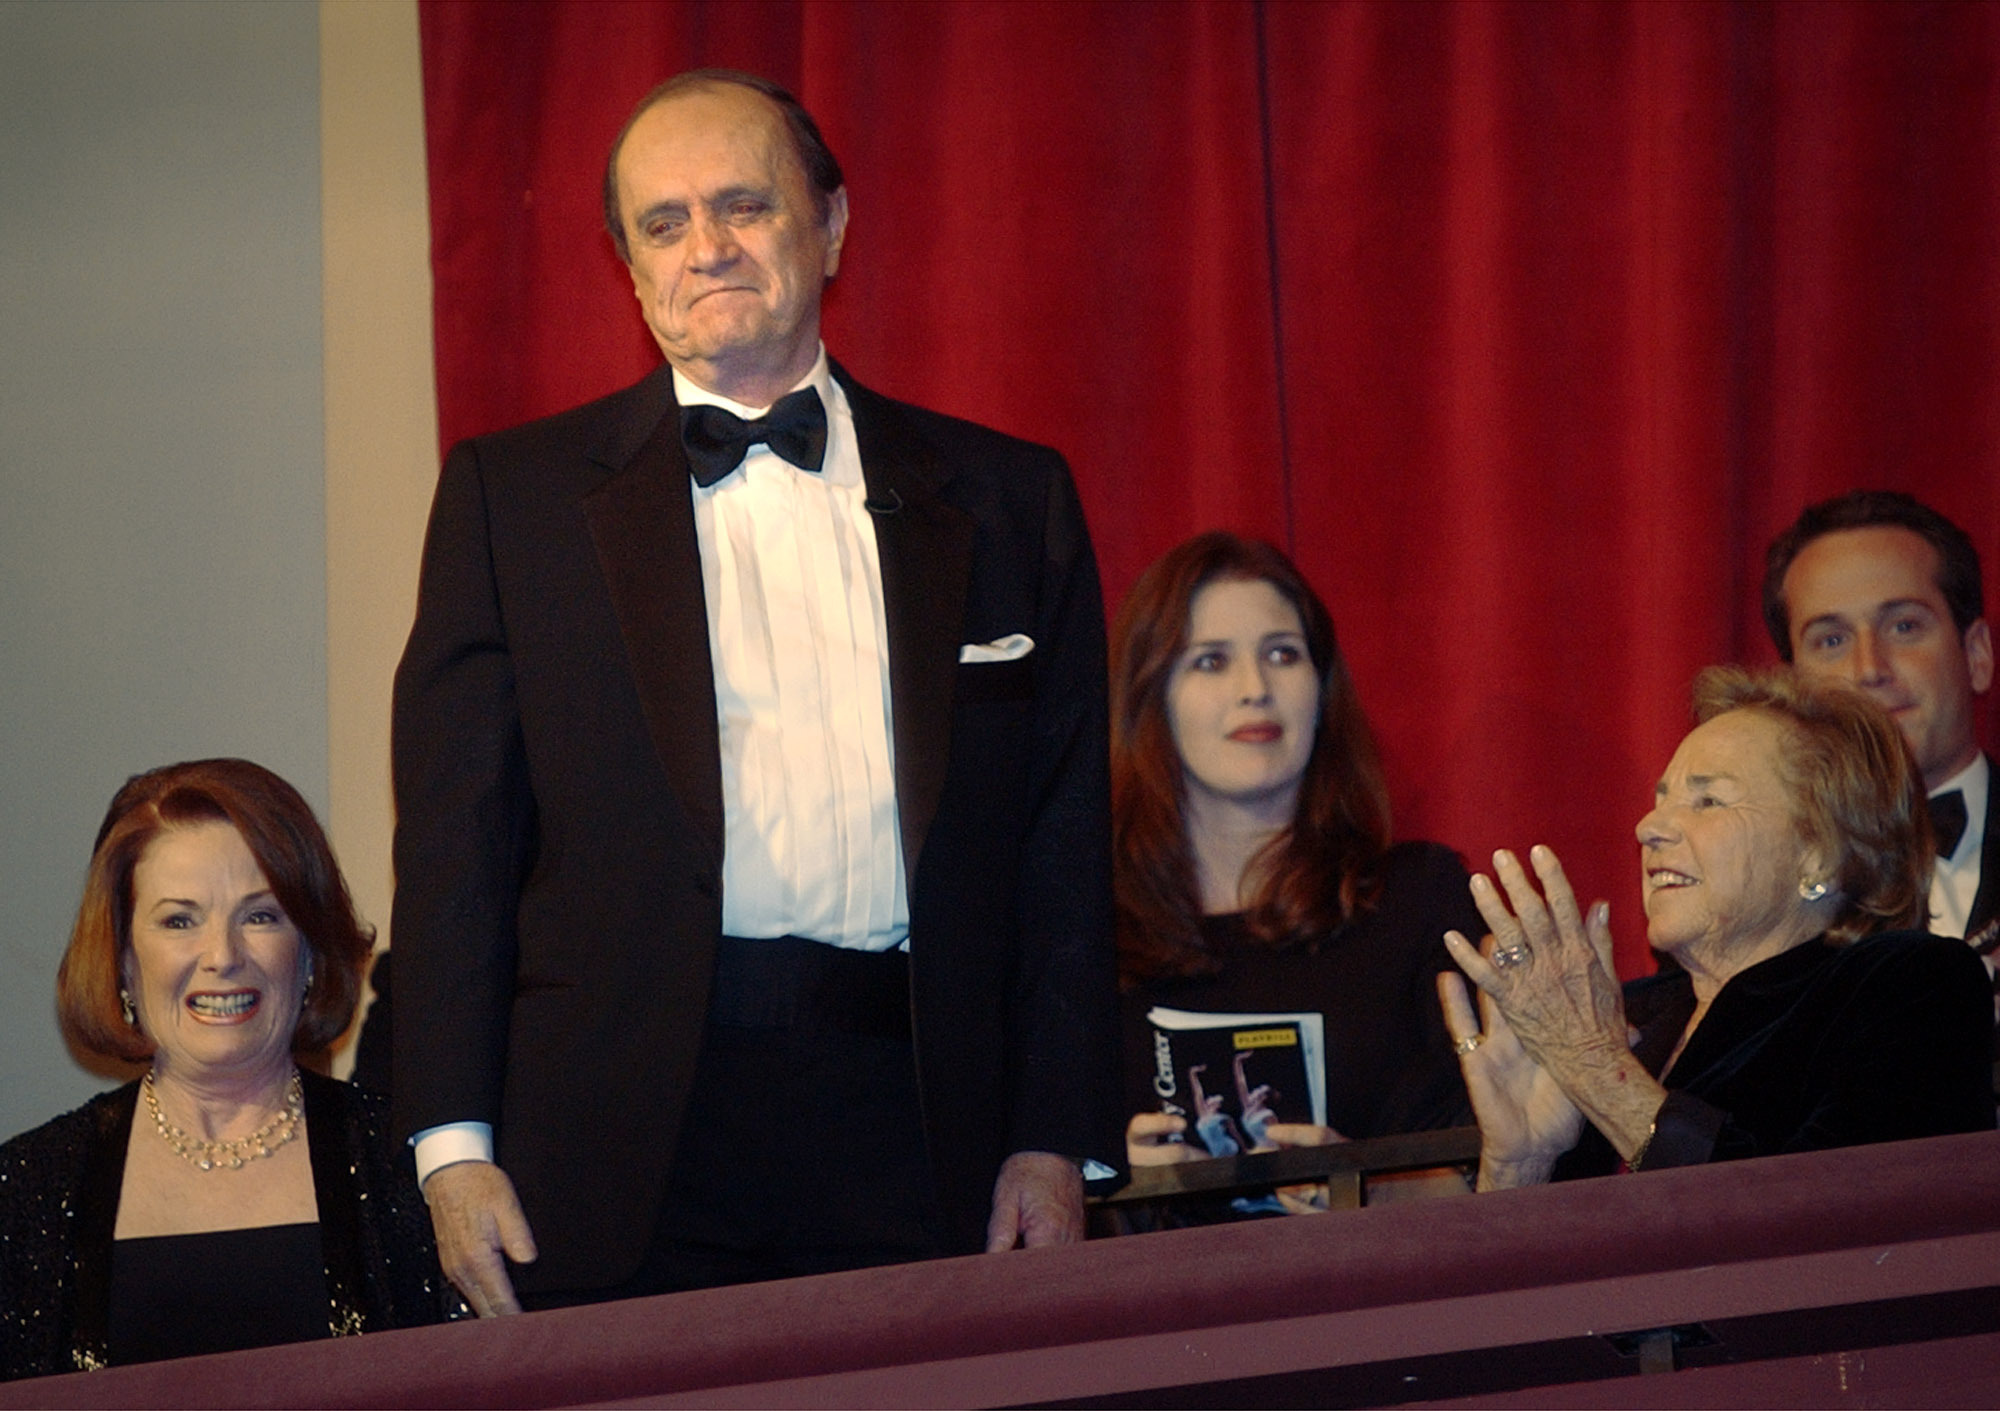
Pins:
x: 215, y: 968
x: 1720, y: 852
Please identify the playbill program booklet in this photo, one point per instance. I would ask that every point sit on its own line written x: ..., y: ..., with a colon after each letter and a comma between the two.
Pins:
x: 1232, y: 1075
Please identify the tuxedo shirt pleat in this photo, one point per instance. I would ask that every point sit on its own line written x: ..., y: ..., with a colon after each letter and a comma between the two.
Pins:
x: 799, y: 639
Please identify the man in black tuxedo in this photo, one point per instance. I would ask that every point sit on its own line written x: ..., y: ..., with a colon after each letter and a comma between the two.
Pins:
x: 752, y: 855
x: 1877, y: 588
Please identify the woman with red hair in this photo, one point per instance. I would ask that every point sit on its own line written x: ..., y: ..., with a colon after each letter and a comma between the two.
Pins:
x: 1254, y: 867
x: 229, y: 1197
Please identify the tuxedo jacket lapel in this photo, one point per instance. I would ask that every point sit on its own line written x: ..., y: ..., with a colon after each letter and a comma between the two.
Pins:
x: 1986, y: 901
x: 642, y: 523
x: 925, y: 547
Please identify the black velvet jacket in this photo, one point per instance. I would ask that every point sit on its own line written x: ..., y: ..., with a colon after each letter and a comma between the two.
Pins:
x: 1820, y: 1047
x: 59, y: 1190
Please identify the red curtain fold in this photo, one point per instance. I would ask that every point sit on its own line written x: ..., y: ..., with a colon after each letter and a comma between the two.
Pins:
x: 1510, y: 235
x: 1524, y: 326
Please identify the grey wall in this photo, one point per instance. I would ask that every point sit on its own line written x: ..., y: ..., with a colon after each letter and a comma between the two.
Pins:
x: 162, y: 554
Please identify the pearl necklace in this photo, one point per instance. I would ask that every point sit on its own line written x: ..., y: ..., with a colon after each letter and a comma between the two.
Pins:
x: 230, y: 1156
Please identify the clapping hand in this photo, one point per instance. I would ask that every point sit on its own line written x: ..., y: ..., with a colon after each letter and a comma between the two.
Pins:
x: 1551, y: 1017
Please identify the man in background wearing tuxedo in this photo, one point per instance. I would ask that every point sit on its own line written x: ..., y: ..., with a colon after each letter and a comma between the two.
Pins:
x: 1876, y: 588
x: 753, y: 899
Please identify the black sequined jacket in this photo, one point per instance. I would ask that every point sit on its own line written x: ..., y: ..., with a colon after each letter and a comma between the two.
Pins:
x: 59, y: 1188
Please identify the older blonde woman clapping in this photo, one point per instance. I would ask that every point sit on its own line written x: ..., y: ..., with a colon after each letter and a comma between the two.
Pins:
x: 1785, y: 863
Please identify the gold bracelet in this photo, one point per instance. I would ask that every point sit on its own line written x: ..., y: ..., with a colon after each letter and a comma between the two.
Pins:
x: 1639, y: 1156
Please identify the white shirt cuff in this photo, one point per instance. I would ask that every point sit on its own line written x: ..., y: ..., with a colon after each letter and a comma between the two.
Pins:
x: 452, y: 1142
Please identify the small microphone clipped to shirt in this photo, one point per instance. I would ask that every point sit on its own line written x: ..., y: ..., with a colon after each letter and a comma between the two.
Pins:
x: 888, y: 505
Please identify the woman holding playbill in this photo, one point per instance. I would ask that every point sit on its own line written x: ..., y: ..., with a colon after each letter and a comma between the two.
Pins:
x: 1255, y: 876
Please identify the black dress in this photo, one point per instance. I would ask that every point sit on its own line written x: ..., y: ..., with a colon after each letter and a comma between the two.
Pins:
x: 1389, y: 1062
x: 217, y: 1291
x: 59, y: 1191
x: 1823, y: 1046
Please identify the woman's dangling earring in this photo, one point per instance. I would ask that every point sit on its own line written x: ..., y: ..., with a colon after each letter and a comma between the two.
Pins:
x: 1811, y: 891
x: 125, y: 1003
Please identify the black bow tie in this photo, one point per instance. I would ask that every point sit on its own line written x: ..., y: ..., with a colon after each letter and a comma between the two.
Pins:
x: 716, y: 440
x: 1948, y: 820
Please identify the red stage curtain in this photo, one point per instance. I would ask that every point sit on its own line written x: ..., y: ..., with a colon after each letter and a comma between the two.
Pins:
x: 1524, y: 326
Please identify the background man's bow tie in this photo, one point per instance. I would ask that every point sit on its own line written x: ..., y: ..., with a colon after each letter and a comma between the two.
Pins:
x: 1948, y: 820
x: 716, y: 440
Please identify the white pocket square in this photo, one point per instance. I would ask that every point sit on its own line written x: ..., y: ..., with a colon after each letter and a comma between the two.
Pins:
x: 1011, y: 647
